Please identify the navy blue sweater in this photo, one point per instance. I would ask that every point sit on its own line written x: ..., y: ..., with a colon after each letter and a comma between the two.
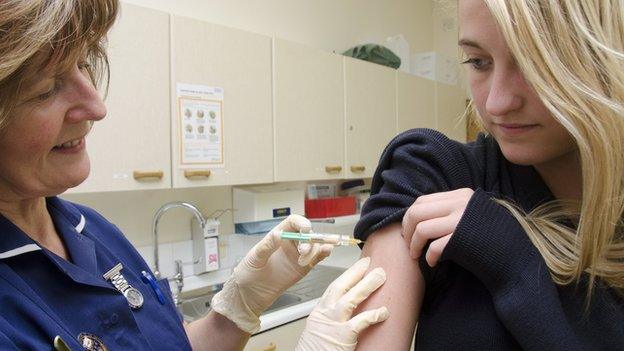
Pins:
x: 492, y: 289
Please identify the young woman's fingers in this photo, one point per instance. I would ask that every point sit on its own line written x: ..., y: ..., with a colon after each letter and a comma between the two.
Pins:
x: 444, y: 195
x: 430, y: 230
x: 368, y: 318
x: 435, y: 250
x: 421, y: 212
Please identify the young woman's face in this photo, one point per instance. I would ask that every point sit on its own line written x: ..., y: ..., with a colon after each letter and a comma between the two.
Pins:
x: 512, y: 112
x: 42, y: 150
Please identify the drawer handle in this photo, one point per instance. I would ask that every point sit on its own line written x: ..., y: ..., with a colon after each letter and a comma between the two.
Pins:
x: 271, y: 347
x: 138, y: 175
x: 358, y: 169
x: 197, y: 173
x: 333, y: 169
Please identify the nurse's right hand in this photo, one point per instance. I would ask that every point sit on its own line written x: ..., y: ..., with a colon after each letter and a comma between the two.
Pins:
x: 269, y: 268
x: 331, y: 325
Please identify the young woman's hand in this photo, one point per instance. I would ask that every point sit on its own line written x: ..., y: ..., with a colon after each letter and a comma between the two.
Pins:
x: 433, y: 217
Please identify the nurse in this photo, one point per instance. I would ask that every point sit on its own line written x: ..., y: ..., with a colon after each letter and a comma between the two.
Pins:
x: 67, y: 275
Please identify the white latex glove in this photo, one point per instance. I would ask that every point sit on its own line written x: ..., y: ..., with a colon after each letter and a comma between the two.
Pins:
x: 269, y: 268
x: 330, y: 326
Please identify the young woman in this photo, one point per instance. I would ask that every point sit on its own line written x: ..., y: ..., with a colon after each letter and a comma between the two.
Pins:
x: 515, y: 240
x: 69, y: 279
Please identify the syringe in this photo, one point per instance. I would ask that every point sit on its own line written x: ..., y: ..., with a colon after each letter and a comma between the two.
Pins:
x: 322, y: 238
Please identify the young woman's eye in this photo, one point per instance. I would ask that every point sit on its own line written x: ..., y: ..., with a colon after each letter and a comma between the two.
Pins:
x: 477, y: 63
x: 84, y: 66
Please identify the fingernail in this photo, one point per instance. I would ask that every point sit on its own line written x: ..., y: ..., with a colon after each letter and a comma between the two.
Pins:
x: 380, y: 273
x: 384, y: 313
x: 364, y: 262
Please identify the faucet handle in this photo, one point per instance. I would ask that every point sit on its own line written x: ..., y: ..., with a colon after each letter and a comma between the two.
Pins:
x: 178, y: 271
x: 178, y: 267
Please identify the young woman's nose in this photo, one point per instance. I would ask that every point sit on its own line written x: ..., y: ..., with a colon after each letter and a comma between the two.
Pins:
x: 505, y: 95
x: 85, y: 99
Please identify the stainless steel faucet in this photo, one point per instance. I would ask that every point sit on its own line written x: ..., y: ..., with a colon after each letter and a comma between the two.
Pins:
x: 161, y: 211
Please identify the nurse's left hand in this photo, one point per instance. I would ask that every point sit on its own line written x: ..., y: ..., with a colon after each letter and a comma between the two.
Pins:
x: 268, y: 269
x: 434, y: 217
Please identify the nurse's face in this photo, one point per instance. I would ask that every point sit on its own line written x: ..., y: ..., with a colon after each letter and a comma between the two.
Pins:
x: 42, y: 150
x: 512, y: 112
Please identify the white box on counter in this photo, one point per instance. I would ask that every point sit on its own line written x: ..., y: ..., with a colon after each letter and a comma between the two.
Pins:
x: 261, y: 203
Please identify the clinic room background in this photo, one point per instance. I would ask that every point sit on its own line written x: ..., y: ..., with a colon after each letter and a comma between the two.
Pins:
x: 286, y: 112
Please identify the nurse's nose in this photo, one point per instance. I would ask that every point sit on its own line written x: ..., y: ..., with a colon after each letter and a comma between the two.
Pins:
x: 506, y: 91
x: 86, y: 103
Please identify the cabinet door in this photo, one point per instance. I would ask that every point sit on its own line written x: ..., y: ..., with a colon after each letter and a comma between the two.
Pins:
x: 283, y: 338
x: 240, y: 63
x: 309, y: 113
x: 450, y: 106
x: 416, y: 102
x: 371, y: 114
x: 130, y: 148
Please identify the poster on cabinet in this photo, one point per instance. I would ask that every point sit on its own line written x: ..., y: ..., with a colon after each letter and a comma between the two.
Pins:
x: 200, y: 116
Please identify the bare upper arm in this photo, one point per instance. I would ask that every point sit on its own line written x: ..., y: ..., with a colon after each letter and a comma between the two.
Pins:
x: 402, y: 292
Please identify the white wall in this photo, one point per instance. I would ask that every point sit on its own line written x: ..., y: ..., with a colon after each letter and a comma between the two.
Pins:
x: 332, y: 25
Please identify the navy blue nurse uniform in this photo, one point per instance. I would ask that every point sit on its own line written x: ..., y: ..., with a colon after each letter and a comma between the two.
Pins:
x: 42, y: 296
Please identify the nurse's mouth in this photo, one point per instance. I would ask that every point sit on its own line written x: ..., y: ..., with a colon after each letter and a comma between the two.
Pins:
x: 70, y: 147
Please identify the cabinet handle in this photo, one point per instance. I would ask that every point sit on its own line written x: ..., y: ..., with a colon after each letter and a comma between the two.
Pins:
x: 333, y: 169
x: 138, y: 175
x: 197, y: 173
x: 271, y: 347
x: 358, y: 169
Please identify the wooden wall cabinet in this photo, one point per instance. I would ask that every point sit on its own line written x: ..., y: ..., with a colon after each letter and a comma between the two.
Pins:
x: 371, y: 117
x: 240, y: 63
x: 450, y: 106
x: 416, y: 102
x: 309, y: 113
x: 290, y: 112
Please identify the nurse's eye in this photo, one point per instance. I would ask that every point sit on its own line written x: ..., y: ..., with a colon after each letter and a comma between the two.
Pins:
x: 50, y: 93
x: 478, y: 64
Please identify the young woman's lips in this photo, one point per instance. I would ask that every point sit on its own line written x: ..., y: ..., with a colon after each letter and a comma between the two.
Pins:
x: 70, y: 147
x: 513, y: 129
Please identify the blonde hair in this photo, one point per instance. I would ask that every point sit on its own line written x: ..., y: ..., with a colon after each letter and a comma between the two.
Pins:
x: 63, y: 30
x: 572, y: 54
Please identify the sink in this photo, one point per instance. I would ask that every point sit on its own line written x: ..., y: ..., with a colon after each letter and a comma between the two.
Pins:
x: 309, y: 288
x: 198, y: 307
